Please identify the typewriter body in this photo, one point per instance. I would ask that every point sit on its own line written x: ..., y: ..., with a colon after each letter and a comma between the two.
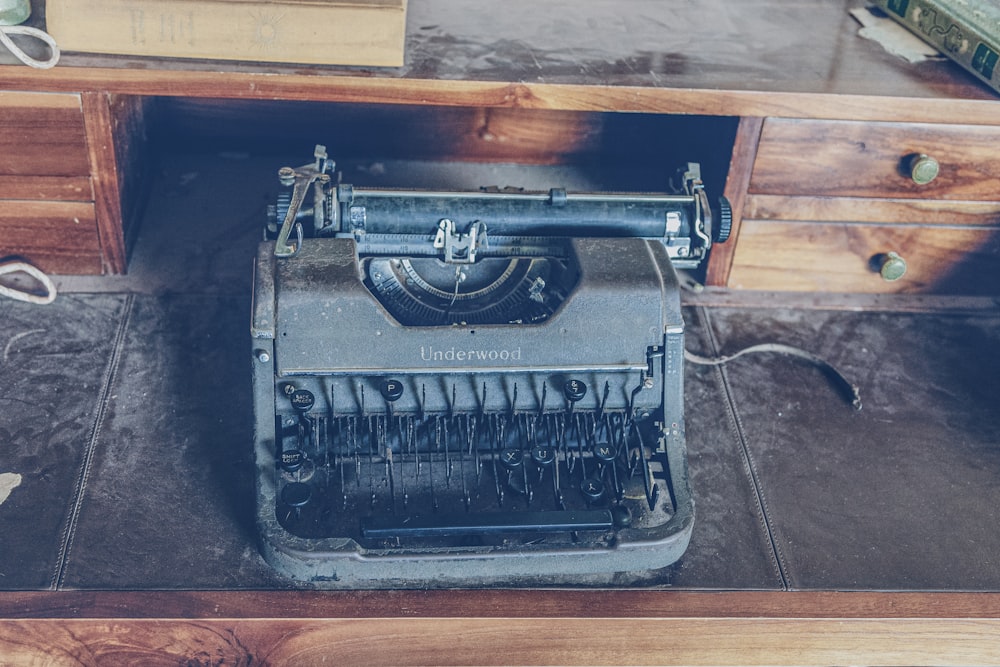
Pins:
x: 472, y: 388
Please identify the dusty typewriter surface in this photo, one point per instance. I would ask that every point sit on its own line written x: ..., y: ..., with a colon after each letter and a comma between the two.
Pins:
x: 457, y: 388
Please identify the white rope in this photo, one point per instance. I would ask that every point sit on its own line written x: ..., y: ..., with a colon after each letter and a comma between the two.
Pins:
x: 22, y: 295
x: 7, y: 30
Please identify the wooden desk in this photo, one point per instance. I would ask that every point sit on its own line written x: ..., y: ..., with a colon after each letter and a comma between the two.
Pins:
x: 802, y: 81
x: 811, y: 98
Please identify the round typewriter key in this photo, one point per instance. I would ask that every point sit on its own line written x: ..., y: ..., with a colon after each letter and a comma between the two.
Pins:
x: 605, y: 452
x: 302, y: 400
x: 543, y: 456
x: 511, y: 457
x: 391, y: 390
x: 296, y: 494
x: 292, y: 460
x: 574, y: 390
x: 593, y: 489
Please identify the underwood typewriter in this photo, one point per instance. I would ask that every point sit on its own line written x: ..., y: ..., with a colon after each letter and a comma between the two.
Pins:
x: 472, y: 388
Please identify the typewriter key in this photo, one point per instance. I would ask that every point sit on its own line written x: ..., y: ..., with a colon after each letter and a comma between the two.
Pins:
x: 605, y: 452
x: 391, y: 390
x: 543, y: 456
x: 511, y: 457
x: 302, y: 400
x: 292, y: 460
x: 593, y: 489
x: 296, y: 496
x: 574, y: 390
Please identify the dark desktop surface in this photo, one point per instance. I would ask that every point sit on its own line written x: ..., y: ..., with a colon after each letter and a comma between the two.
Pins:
x: 127, y: 417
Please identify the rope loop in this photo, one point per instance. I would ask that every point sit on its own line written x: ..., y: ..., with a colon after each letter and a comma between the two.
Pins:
x: 23, y: 295
x: 7, y: 30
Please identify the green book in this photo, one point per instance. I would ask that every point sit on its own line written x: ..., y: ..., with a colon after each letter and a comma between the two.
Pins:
x: 967, y: 31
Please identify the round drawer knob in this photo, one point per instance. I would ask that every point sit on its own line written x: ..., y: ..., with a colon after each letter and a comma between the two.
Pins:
x: 893, y: 267
x: 923, y: 169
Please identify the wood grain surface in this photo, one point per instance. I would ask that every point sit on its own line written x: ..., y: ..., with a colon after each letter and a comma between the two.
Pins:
x: 42, y: 135
x: 737, y: 182
x: 805, y: 60
x: 856, y: 159
x: 58, y: 237
x: 897, y: 211
x: 373, y: 131
x: 103, y: 159
x: 499, y: 627
x: 472, y: 641
x: 350, y: 87
x: 844, y: 257
x: 55, y: 188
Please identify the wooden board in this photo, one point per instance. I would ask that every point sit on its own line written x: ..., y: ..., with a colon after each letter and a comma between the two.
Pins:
x: 843, y: 257
x: 116, y: 137
x: 855, y: 159
x: 738, y: 179
x: 55, y: 188
x: 633, y: 55
x: 374, y: 132
x: 42, y: 135
x: 500, y: 627
x: 895, y: 211
x: 57, y: 237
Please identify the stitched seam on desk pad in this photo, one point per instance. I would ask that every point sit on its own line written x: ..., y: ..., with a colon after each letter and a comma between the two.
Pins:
x: 749, y: 464
x: 104, y: 397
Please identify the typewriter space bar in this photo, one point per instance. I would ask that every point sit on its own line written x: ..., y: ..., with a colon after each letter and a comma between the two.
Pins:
x: 442, y: 525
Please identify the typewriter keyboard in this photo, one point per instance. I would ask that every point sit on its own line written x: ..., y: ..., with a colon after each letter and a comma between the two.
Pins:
x: 471, y: 478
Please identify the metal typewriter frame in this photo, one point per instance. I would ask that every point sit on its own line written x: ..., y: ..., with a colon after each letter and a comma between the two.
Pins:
x: 289, y: 275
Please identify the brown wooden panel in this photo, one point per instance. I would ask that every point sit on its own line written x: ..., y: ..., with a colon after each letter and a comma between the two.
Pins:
x: 748, y: 59
x: 397, y: 131
x: 133, y: 164
x: 740, y: 166
x: 855, y: 159
x: 207, y: 80
x: 53, y: 188
x: 101, y: 124
x: 848, y: 209
x: 478, y: 641
x: 42, y: 134
x: 841, y: 257
x: 57, y: 237
x: 494, y: 603
x: 500, y: 626
x: 506, y: 627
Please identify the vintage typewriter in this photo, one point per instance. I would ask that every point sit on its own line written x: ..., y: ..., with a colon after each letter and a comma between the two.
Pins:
x: 472, y: 388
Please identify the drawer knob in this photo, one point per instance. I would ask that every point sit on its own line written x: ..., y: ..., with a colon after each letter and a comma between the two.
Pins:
x: 893, y: 267
x: 923, y: 169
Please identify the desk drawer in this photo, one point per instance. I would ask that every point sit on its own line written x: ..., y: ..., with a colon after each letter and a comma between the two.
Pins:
x: 47, y: 213
x: 847, y: 257
x: 57, y: 237
x: 42, y: 134
x: 862, y: 159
